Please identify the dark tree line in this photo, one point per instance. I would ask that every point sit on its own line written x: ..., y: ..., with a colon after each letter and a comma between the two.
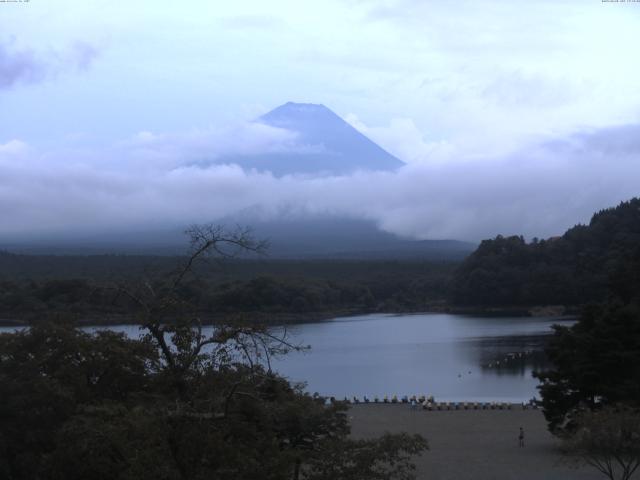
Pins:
x: 574, y: 269
x: 269, y: 287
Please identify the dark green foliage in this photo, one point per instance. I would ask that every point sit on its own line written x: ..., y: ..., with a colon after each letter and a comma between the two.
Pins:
x: 79, y: 406
x: 574, y: 269
x: 608, y: 440
x: 48, y: 373
x: 290, y: 295
x: 387, y: 457
x: 268, y: 287
x: 596, y: 361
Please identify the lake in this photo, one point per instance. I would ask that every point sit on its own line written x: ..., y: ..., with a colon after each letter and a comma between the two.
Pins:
x: 452, y: 357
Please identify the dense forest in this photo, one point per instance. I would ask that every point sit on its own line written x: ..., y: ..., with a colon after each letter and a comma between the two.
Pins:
x: 574, y: 269
x: 33, y: 287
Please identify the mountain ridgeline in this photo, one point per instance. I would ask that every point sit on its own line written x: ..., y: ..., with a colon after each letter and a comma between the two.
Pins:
x: 323, y: 143
x: 582, y: 266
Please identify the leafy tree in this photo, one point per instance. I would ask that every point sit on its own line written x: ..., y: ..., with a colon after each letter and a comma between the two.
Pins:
x: 596, y: 361
x: 380, y: 459
x: 50, y: 372
x: 608, y: 440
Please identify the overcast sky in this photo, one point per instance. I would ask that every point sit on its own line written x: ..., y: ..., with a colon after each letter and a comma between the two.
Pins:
x: 512, y: 116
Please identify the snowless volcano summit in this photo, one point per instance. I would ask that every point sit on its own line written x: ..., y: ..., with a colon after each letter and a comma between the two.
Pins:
x: 323, y: 143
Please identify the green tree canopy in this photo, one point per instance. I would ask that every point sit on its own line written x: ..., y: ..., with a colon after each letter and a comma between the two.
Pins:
x: 573, y: 269
x: 595, y: 362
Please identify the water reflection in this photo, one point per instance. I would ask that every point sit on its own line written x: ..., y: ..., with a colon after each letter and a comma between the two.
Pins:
x: 453, y: 357
x: 512, y: 355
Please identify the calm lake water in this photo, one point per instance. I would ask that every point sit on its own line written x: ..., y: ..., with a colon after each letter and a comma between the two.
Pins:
x: 453, y: 357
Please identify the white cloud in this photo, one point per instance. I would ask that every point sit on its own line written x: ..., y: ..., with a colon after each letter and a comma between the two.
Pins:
x: 13, y: 147
x: 483, y: 99
x: 403, y: 139
x: 538, y: 192
x: 149, y: 150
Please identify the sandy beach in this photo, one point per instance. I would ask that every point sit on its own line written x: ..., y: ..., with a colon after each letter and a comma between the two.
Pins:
x: 473, y: 444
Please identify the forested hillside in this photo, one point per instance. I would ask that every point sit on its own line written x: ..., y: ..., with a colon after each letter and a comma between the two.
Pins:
x: 574, y: 269
x: 577, y: 268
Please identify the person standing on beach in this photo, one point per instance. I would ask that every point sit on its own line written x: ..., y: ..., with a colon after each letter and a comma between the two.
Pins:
x: 521, y: 438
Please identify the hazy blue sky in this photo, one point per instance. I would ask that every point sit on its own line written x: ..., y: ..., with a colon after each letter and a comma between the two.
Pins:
x: 514, y: 116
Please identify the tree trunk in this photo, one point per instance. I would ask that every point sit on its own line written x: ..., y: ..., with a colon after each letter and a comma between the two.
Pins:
x: 296, y: 470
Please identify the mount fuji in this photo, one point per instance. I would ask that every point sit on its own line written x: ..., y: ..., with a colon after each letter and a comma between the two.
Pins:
x: 323, y: 143
x: 320, y: 143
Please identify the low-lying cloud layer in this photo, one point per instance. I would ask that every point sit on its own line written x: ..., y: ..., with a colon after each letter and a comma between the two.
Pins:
x: 158, y: 181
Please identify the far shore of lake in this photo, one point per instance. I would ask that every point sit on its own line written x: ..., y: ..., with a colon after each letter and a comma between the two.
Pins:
x: 293, y: 318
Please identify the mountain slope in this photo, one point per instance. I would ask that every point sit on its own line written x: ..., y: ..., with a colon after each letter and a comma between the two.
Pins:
x: 324, y: 143
x: 319, y: 237
x: 347, y: 238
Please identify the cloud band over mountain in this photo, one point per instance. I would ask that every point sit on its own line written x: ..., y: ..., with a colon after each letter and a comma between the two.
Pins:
x: 143, y: 184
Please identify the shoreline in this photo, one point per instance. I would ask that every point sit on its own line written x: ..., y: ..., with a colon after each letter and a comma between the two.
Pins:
x: 295, y: 318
